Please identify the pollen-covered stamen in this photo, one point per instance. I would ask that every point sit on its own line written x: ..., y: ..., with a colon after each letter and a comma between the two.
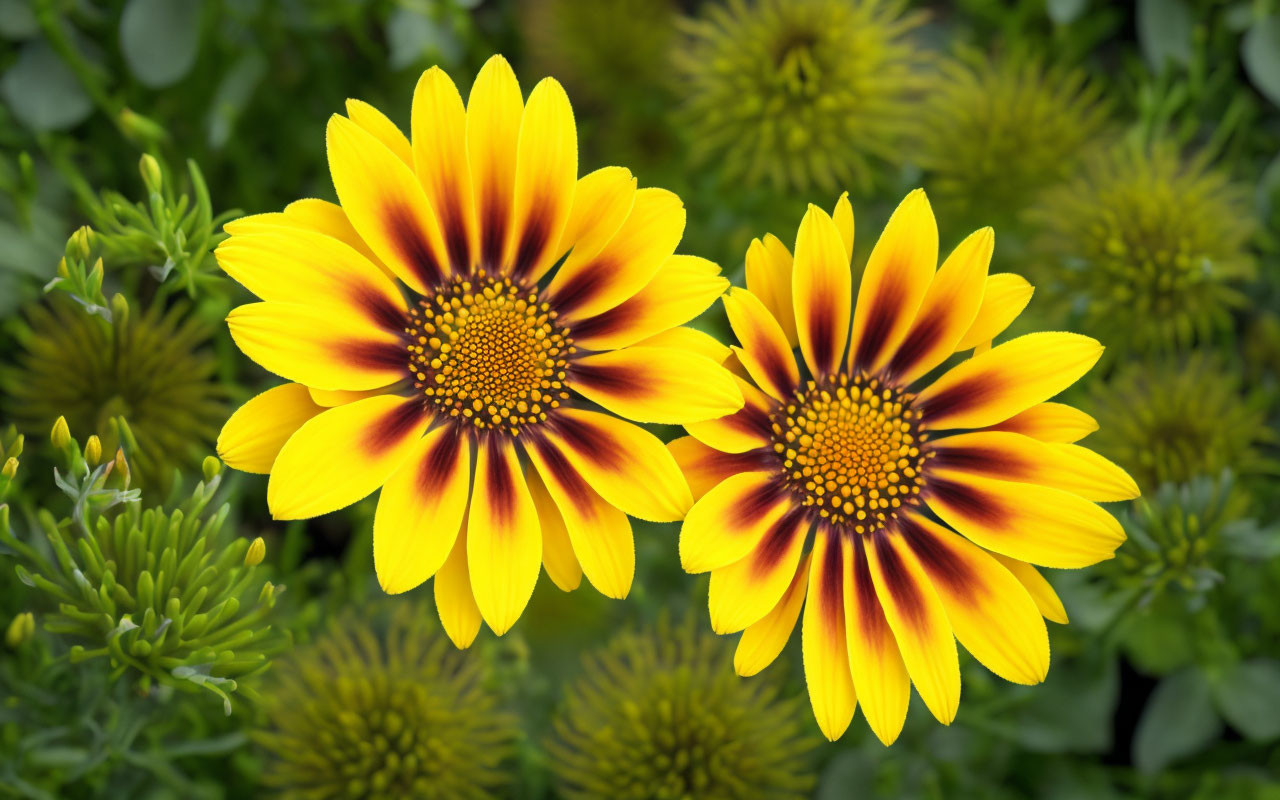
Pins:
x: 490, y: 353
x: 851, y: 449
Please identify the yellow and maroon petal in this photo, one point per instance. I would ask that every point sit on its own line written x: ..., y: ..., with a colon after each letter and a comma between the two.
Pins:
x: 879, y: 675
x: 1014, y: 457
x: 309, y: 214
x: 947, y: 311
x: 746, y: 429
x: 340, y: 397
x: 557, y: 550
x: 316, y: 347
x: 254, y: 434
x: 1050, y: 422
x: 602, y: 201
x: 762, y: 642
x: 764, y: 352
x: 691, y: 340
x: 826, y: 654
x: 455, y: 602
x: 731, y: 520
x: 899, y: 271
x: 392, y: 214
x: 439, y: 127
x: 1003, y: 299
x: 657, y: 384
x: 919, y: 623
x: 583, y: 288
x: 1041, y: 591
x: 493, y: 129
x: 312, y: 269
x: 821, y: 291
x: 628, y: 466
x: 992, y: 387
x: 381, y: 128
x: 1037, y: 524
x: 600, y: 534
x: 546, y: 172
x: 994, y: 618
x: 683, y: 288
x: 421, y: 509
x: 343, y: 455
x: 743, y: 592
x: 842, y: 216
x: 504, y: 538
x: 769, y: 278
x: 704, y: 467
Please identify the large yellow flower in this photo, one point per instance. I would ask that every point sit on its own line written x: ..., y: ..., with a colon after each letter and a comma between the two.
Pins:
x: 436, y: 352
x: 885, y: 467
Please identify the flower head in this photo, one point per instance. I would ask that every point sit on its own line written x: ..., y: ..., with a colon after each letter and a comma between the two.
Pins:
x: 992, y: 132
x: 1150, y: 246
x: 799, y: 94
x: 396, y: 713
x: 150, y: 368
x: 927, y: 485
x: 1172, y: 420
x: 658, y: 713
x: 431, y: 337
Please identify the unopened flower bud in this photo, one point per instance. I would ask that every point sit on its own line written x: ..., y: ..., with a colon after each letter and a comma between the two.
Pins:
x: 256, y: 552
x: 151, y: 173
x: 20, y: 629
x: 122, y: 466
x: 93, y: 451
x: 10, y: 468
x: 211, y: 466
x: 61, y: 434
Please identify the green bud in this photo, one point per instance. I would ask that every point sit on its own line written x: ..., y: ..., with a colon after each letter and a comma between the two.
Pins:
x: 93, y: 451
x: 122, y: 466
x: 211, y: 466
x: 22, y: 628
x: 61, y: 434
x: 10, y: 468
x: 152, y: 175
x: 140, y: 129
x: 257, y: 551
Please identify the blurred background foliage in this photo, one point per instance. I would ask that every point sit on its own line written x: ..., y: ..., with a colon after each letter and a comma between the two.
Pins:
x: 1128, y: 154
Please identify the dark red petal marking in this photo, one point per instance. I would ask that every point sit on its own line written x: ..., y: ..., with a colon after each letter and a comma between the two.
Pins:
x: 885, y: 308
x: 493, y: 229
x: 871, y: 619
x: 777, y: 541
x: 771, y: 359
x: 582, y: 286
x: 940, y: 562
x: 831, y: 585
x: 1001, y: 464
x: 969, y: 502
x: 373, y: 355
x: 610, y: 378
x: 501, y: 482
x: 533, y: 239
x: 961, y: 397
x: 618, y: 318
x: 562, y: 472
x: 402, y: 421
x: 411, y: 245
x: 762, y: 458
x: 920, y: 339
x: 898, y: 581
x: 756, y: 504
x: 751, y: 420
x: 453, y: 221
x: 439, y: 462
x: 378, y: 307
x: 822, y: 327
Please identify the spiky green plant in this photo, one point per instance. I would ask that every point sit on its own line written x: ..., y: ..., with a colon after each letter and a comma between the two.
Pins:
x: 661, y: 713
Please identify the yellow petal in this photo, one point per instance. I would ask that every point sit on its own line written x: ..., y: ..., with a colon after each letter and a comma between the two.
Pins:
x: 1014, y: 457
x: 392, y: 213
x: 317, y: 348
x: 683, y: 288
x: 743, y: 592
x: 421, y: 509
x: 493, y: 129
x: 821, y: 288
x: 769, y: 278
x: 340, y: 397
x: 656, y: 384
x: 762, y: 642
x: 879, y: 676
x: 557, y: 551
x: 742, y: 430
x: 731, y: 520
x: 455, y: 603
x: 258, y: 429
x: 583, y: 288
x: 546, y: 171
x: 692, y: 340
x: 764, y: 353
x: 1050, y: 422
x: 919, y: 623
x: 600, y: 534
x: 842, y: 216
x: 381, y: 128
x: 1004, y: 298
x: 1031, y: 523
x: 626, y: 464
x: 343, y: 455
x: 992, y: 615
x: 826, y: 654
x: 439, y: 127
x: 1041, y: 591
x: 602, y: 201
x: 504, y: 540
x: 898, y: 273
x: 947, y: 310
x: 705, y: 467
x: 991, y: 387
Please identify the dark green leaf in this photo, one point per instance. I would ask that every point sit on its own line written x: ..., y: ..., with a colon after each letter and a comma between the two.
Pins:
x: 160, y: 39
x: 1064, y: 12
x: 43, y: 92
x: 1248, y: 695
x: 1164, y: 31
x: 1261, y: 53
x: 1179, y: 720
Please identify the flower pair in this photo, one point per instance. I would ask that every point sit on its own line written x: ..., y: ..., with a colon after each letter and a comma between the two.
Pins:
x: 477, y: 331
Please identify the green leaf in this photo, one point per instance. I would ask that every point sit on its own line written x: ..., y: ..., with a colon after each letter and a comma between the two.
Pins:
x: 1248, y: 695
x: 1261, y: 53
x: 43, y: 92
x: 1179, y: 720
x: 1164, y: 32
x: 1072, y: 711
x: 160, y: 39
x: 1064, y: 12
x: 413, y: 36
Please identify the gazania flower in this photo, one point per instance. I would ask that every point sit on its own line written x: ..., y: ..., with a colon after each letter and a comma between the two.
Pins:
x: 437, y: 351
x: 900, y: 502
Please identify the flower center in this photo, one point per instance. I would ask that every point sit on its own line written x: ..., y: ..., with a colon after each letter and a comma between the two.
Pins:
x: 489, y: 352
x: 850, y: 448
